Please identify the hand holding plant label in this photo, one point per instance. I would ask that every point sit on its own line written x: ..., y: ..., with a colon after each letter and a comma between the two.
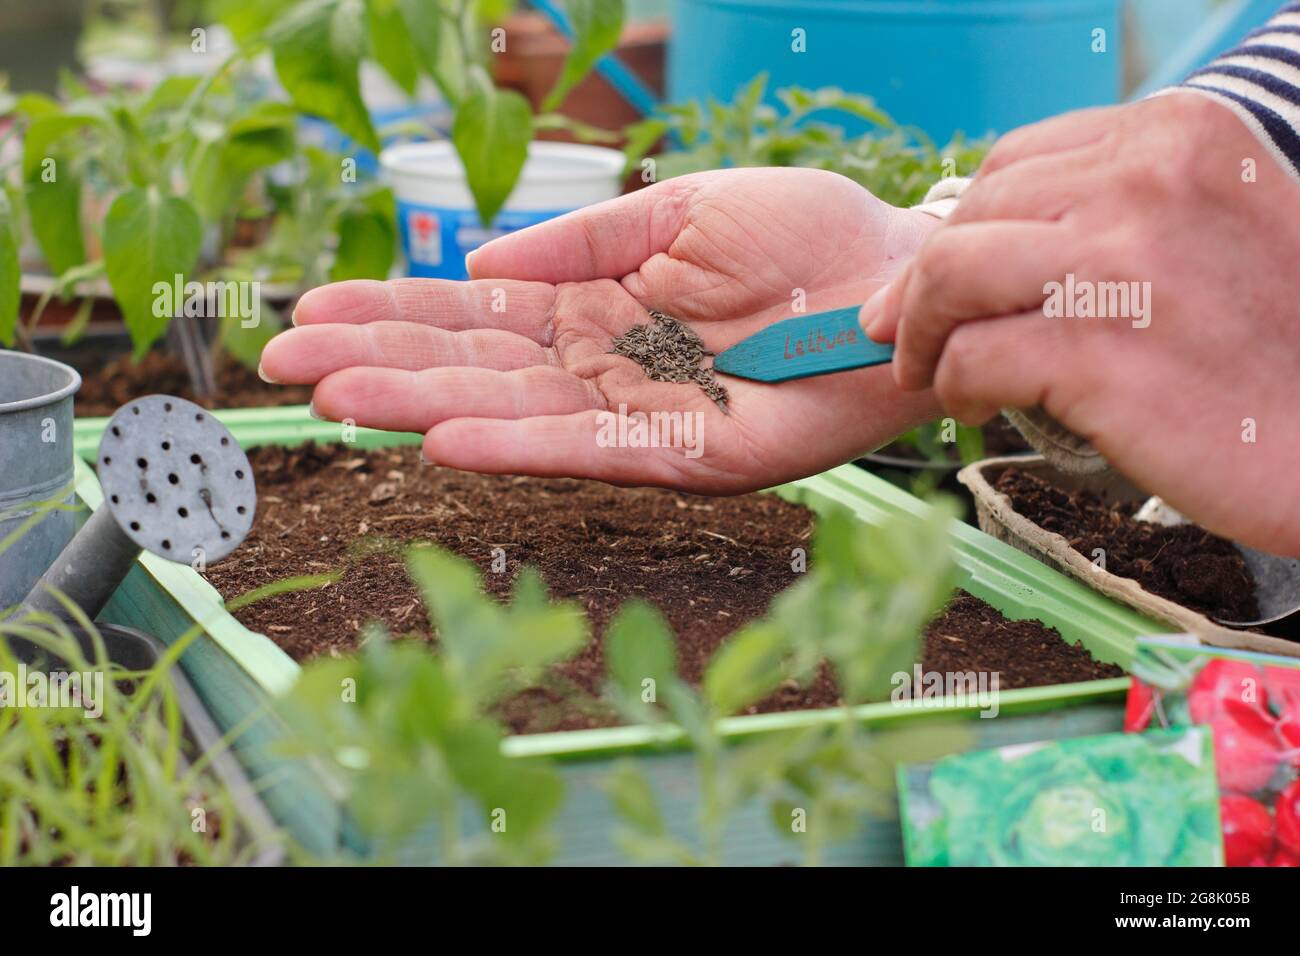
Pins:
x: 1193, y: 397
x: 511, y: 372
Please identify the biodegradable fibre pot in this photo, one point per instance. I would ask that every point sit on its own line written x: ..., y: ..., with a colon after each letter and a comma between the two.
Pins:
x: 36, y: 453
x: 998, y: 518
x: 435, y: 210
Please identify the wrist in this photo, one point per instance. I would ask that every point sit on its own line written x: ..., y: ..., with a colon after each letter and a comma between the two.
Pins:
x: 907, y: 231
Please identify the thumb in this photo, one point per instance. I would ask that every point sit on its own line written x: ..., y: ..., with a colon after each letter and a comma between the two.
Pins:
x: 604, y: 241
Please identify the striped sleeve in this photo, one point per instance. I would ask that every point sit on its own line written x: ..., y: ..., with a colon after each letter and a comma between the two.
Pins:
x: 1259, y: 80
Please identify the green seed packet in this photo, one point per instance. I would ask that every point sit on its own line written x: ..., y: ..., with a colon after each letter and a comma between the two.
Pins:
x: 1111, y: 800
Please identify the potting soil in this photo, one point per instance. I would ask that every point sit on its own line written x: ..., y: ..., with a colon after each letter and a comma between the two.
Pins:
x: 710, y: 564
x: 1183, y: 563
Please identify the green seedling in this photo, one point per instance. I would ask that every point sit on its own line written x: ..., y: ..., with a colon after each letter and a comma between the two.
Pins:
x: 408, y: 742
x: 404, y: 735
x: 868, y: 594
x: 140, y: 188
x: 113, y: 788
x: 110, y: 780
x: 896, y: 163
x: 318, y: 46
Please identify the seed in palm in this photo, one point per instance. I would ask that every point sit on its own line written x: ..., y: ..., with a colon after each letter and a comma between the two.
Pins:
x: 669, y: 351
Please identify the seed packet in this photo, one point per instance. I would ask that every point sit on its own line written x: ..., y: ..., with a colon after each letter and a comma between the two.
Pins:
x: 1251, y: 702
x: 1109, y: 800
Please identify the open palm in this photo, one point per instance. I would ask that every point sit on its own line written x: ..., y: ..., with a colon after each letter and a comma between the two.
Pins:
x: 510, y: 372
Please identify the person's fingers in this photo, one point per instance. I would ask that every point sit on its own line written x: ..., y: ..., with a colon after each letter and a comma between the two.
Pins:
x: 1040, y: 188
x: 1011, y: 362
x: 1055, y: 135
x: 963, y: 272
x: 305, y: 355
x: 969, y: 272
x: 879, y: 315
x: 549, y: 447
x: 604, y: 241
x: 525, y: 308
x: 406, y: 401
x: 680, y: 287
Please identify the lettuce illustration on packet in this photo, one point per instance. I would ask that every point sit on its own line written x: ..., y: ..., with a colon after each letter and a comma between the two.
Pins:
x: 1109, y: 800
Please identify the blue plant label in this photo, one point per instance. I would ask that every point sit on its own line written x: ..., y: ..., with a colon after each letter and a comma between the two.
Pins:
x: 436, y: 240
x: 804, y: 345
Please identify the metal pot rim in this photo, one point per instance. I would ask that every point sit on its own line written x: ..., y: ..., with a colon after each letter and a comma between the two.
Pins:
x: 49, y: 398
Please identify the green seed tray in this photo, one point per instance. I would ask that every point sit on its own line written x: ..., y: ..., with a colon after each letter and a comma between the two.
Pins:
x: 238, y: 672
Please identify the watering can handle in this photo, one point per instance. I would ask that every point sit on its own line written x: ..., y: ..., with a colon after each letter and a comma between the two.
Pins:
x: 1218, y: 33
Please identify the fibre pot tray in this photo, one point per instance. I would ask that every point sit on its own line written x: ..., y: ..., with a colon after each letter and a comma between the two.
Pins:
x: 999, y: 518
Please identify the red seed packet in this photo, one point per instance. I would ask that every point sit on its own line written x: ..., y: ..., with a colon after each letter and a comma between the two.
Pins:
x: 1251, y: 702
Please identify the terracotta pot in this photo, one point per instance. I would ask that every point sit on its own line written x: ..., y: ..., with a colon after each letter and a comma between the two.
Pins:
x: 58, y: 313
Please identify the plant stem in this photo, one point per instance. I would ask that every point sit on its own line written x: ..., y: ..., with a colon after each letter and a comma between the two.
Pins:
x: 186, y: 113
x: 470, y: 45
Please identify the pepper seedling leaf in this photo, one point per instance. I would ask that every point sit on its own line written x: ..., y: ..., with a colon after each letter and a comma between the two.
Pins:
x: 367, y: 239
x: 10, y: 273
x: 148, y: 239
x: 46, y: 128
x: 638, y: 647
x: 262, y: 137
x: 54, y: 211
x: 432, y: 30
x: 244, y: 341
x: 391, y: 43
x: 596, y: 27
x: 53, y: 188
x: 317, y: 50
x: 491, y: 133
x: 245, y: 20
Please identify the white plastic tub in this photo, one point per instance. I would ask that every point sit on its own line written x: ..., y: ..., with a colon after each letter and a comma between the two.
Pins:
x: 436, y: 214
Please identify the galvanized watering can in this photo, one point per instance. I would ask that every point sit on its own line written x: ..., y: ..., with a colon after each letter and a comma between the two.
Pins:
x: 36, y: 455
